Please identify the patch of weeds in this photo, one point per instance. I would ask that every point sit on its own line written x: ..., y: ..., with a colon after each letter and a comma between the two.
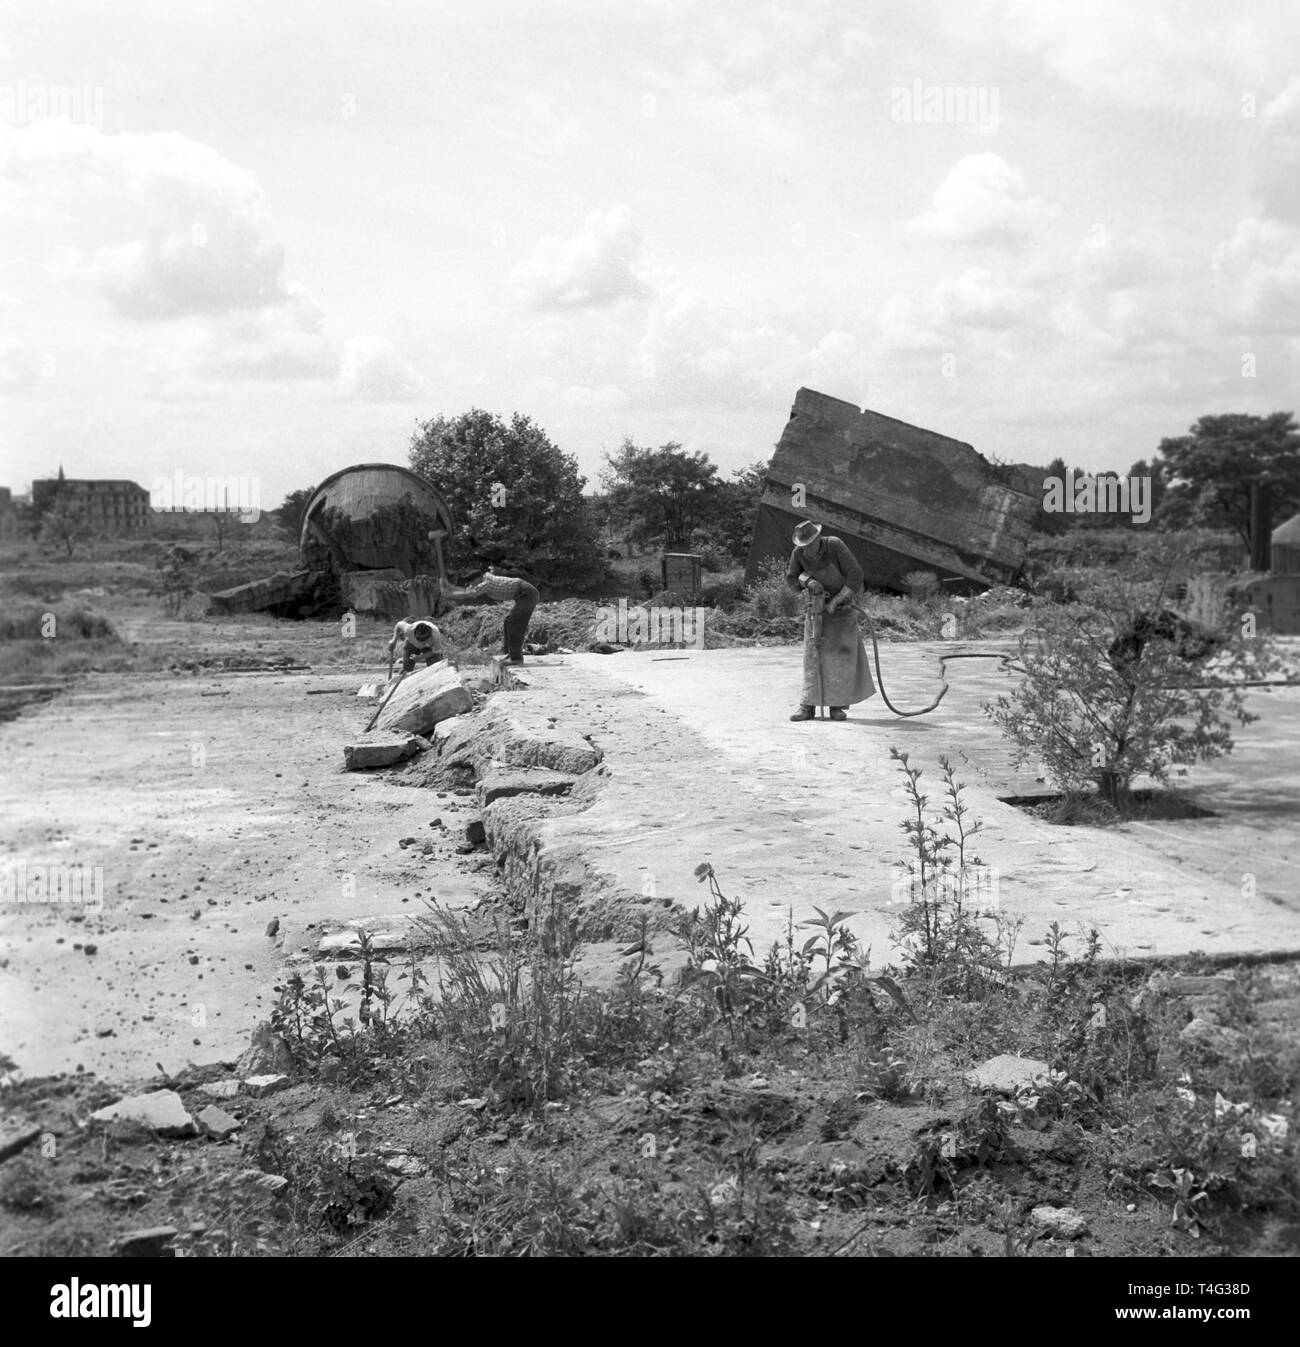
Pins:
x: 223, y: 1215
x: 977, y: 1139
x: 29, y: 1186
x: 939, y: 930
x: 517, y: 1016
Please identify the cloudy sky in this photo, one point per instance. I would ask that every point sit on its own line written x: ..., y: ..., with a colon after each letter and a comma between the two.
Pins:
x: 264, y: 237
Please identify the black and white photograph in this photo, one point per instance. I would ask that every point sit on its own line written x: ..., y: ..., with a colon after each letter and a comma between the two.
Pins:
x: 391, y: 393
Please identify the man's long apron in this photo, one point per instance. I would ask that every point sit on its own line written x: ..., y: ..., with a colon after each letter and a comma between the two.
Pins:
x: 845, y: 671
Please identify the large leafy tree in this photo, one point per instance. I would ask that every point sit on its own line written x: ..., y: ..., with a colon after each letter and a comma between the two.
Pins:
x: 1222, y: 456
x: 515, y: 498
x: 738, y: 501
x: 662, y: 495
x: 289, y: 511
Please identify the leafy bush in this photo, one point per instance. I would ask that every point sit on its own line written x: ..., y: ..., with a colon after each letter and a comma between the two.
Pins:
x: 921, y: 584
x: 1114, y: 689
x: 770, y: 596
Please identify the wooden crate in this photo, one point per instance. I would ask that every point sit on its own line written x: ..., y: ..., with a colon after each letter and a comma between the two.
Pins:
x: 681, y: 572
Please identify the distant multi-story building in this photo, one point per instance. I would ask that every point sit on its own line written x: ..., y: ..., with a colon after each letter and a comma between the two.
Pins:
x: 11, y: 513
x: 112, y: 506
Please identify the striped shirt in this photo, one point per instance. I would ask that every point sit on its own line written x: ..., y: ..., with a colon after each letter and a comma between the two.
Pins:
x: 496, y: 587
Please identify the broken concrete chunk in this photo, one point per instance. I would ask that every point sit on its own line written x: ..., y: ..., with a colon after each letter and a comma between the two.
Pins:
x: 278, y: 588
x: 1006, y: 1074
x: 393, y: 933
x: 220, y: 1089
x: 425, y: 698
x: 162, y: 1111
x: 1064, y: 1222
x: 339, y: 942
x: 381, y: 751
x: 369, y: 591
x: 503, y: 738
x: 1203, y: 1033
x: 217, y: 1123
x: 405, y: 1166
x: 15, y: 1139
x: 267, y: 1054
x: 260, y: 1086
x: 155, y: 1242
x: 526, y: 781
x: 1187, y: 985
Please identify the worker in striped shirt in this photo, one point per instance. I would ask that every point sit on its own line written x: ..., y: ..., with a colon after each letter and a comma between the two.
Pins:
x: 497, y: 589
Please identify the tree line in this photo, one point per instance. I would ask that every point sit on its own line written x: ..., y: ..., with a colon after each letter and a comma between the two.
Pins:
x: 519, y: 503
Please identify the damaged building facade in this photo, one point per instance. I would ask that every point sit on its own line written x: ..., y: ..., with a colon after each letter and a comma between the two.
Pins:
x: 902, y: 498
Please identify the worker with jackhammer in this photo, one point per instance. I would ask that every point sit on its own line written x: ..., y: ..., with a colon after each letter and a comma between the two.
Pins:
x: 835, y: 669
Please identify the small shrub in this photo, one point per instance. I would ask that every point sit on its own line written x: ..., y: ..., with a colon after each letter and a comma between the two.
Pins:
x: 1109, y: 694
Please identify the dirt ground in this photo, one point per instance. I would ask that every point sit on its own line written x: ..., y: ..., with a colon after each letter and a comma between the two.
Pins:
x: 217, y: 805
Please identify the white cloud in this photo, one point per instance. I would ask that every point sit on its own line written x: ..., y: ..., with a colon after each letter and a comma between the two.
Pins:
x: 984, y: 200
x: 1198, y: 58
x: 695, y: 351
x: 165, y: 227
x: 371, y: 370
x: 595, y: 266
x: 280, y: 341
x: 19, y: 365
x: 955, y: 310
x: 1259, y: 272
x: 1277, y: 162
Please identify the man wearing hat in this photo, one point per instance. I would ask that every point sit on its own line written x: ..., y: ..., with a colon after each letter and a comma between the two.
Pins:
x: 835, y: 669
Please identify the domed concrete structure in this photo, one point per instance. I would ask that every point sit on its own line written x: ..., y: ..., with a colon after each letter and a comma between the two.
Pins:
x: 374, y: 516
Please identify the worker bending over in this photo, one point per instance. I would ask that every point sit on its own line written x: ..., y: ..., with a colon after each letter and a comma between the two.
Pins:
x: 417, y: 636
x: 498, y: 588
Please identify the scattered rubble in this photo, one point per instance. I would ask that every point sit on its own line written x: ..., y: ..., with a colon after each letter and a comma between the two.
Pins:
x: 220, y: 1089
x: 382, y: 751
x: 155, y: 1242
x: 267, y: 1054
x: 217, y: 1123
x: 1006, y: 1074
x: 1064, y: 1222
x: 260, y: 1086
x: 162, y: 1111
x: 14, y: 1140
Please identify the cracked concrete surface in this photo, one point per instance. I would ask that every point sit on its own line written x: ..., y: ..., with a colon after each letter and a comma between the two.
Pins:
x: 702, y: 764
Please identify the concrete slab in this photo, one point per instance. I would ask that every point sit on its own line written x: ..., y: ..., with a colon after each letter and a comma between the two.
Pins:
x: 425, y: 697
x: 704, y: 765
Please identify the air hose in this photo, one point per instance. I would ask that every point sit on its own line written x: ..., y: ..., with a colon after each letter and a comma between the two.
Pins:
x: 1006, y: 659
